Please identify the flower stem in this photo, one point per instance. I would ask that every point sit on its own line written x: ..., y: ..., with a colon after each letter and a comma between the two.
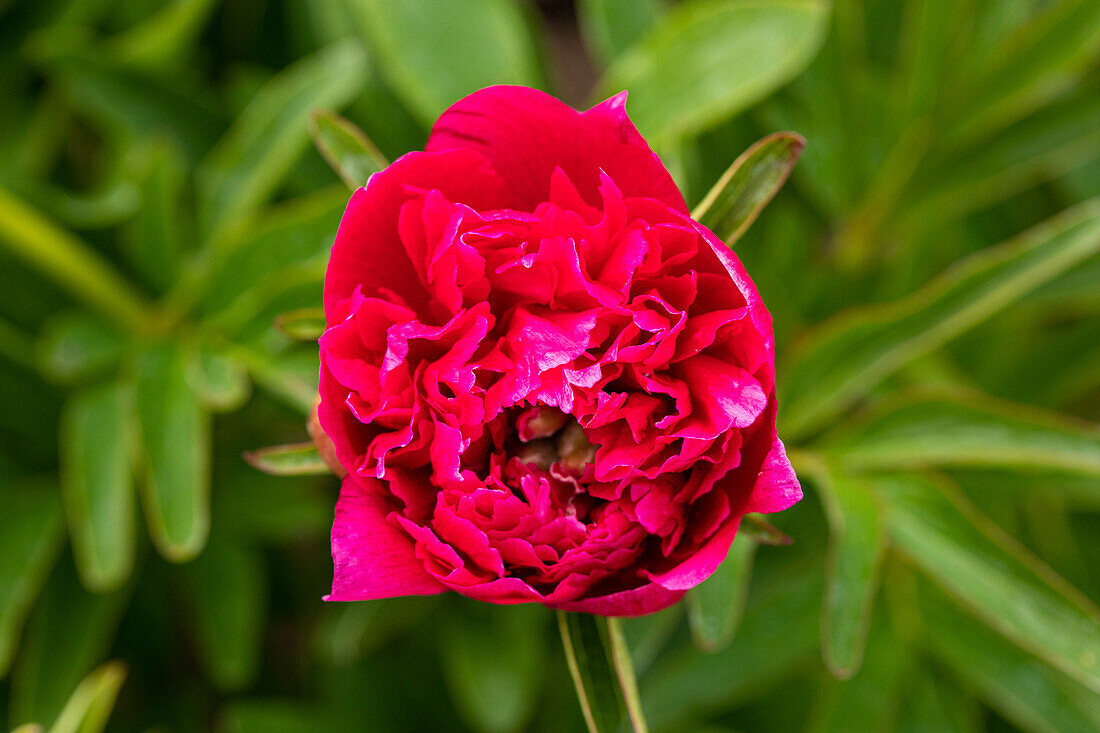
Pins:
x: 602, y: 672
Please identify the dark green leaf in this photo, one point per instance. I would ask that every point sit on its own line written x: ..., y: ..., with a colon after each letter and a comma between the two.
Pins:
x: 97, y: 486
x: 345, y: 147
x: 710, y: 59
x: 998, y: 580
x: 76, y: 346
x: 715, y: 606
x: 748, y: 185
x: 853, y: 353
x: 175, y: 440
x: 603, y: 675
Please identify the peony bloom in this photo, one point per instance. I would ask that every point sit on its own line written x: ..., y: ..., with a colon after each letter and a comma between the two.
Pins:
x: 545, y: 381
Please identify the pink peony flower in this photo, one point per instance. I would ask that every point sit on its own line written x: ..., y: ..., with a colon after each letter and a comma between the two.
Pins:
x: 545, y: 381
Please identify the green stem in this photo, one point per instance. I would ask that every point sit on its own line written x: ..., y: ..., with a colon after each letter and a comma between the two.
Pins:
x: 71, y: 263
x: 602, y: 672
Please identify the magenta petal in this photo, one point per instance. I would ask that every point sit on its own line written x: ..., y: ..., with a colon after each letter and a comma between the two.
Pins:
x: 776, y: 485
x: 372, y: 558
x: 697, y: 568
x: 527, y: 134
x: 648, y: 598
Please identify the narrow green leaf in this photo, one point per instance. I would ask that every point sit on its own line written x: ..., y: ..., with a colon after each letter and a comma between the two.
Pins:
x: 227, y: 591
x: 936, y: 705
x: 69, y: 262
x: 92, y: 701
x: 156, y: 239
x: 612, y: 26
x: 163, y: 37
x: 998, y: 580
x: 305, y: 324
x: 967, y: 430
x: 70, y: 631
x: 715, y: 606
x: 469, y: 44
x: 755, y: 528
x: 218, y: 379
x: 292, y: 380
x: 345, y: 147
x: 747, y: 186
x: 264, y: 142
x: 175, y: 439
x: 295, y: 459
x: 853, y: 353
x: 853, y: 566
x: 1014, y: 683
x: 96, y: 485
x: 494, y: 666
x: 75, y: 346
x: 29, y: 544
x: 599, y: 663
x: 709, y: 59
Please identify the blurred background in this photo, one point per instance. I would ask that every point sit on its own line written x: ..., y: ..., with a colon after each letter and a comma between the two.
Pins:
x: 933, y: 267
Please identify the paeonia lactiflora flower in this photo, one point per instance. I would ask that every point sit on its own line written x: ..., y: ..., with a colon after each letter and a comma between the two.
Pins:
x: 545, y: 381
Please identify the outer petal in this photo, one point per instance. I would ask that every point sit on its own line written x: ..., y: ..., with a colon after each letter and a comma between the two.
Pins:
x: 372, y: 558
x: 702, y: 563
x: 648, y: 598
x: 368, y: 251
x: 776, y: 485
x: 527, y: 134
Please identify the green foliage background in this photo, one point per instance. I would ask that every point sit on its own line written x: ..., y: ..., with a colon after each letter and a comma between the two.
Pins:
x: 161, y: 205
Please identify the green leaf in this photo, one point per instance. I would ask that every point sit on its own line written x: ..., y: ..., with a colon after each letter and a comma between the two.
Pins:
x: 305, y: 324
x: 219, y: 380
x: 250, y: 160
x: 612, y: 26
x: 163, y: 37
x: 69, y: 262
x: 97, y: 486
x: 227, y: 590
x: 155, y: 239
x: 998, y: 580
x: 288, y: 376
x: 467, y: 45
x: 74, y: 346
x: 853, y: 566
x: 295, y: 459
x: 91, y: 703
x: 710, y: 59
x: 747, y: 186
x: 29, y: 545
x: 494, y: 667
x: 69, y: 632
x: 345, y: 147
x: 175, y: 439
x: 715, y: 606
x: 936, y: 705
x: 966, y: 430
x: 755, y: 528
x: 854, y: 352
x: 603, y: 675
x: 1013, y: 682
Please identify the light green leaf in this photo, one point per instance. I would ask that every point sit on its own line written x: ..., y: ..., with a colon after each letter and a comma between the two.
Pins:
x: 494, y: 666
x: 747, y: 186
x: 219, y: 380
x: 967, y: 430
x: 250, y: 160
x: 70, y: 262
x: 709, y: 59
x: 96, y: 485
x: 163, y: 37
x: 612, y: 26
x: 1011, y: 681
x: 998, y: 580
x: 466, y: 45
x: 32, y: 537
x: 853, y: 566
x: 227, y: 591
x: 175, y: 440
x: 295, y: 459
x: 91, y: 703
x: 854, y: 352
x: 345, y: 147
x: 304, y: 324
x: 291, y: 377
x: 715, y: 606
x: 74, y: 346
x: 603, y: 675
